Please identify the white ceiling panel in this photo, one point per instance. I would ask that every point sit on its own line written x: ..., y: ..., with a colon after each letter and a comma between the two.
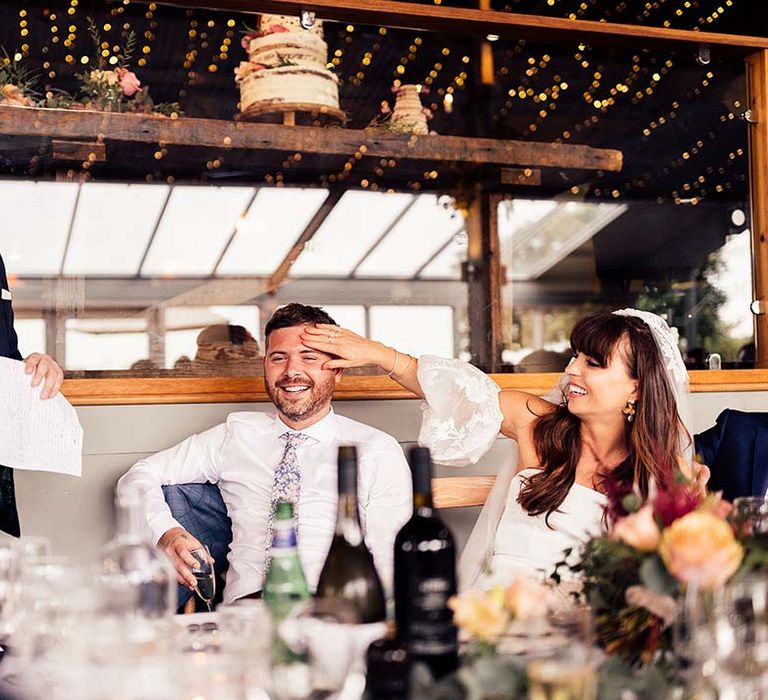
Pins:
x: 425, y: 227
x: 195, y: 228
x: 34, y: 225
x: 354, y: 225
x: 105, y: 241
x: 272, y: 225
x: 447, y: 264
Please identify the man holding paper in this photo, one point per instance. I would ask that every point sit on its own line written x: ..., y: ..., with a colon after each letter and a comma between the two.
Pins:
x: 45, y: 370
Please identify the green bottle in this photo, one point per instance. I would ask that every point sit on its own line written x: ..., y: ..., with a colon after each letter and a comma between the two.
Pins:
x: 284, y: 588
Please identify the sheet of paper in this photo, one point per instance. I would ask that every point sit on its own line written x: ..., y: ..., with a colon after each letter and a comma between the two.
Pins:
x: 36, y: 434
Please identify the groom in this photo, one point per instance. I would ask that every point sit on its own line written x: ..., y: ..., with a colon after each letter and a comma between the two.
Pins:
x: 256, y: 458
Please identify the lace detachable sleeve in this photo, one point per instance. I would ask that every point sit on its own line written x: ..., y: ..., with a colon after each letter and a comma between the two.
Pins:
x: 462, y: 416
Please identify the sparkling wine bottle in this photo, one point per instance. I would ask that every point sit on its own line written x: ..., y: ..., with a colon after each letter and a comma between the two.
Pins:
x: 349, y: 573
x: 425, y: 577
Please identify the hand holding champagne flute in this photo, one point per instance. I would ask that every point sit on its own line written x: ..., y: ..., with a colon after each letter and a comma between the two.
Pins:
x: 204, y: 575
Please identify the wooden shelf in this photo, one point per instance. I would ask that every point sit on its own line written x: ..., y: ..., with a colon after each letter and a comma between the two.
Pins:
x: 506, y: 25
x: 103, y: 392
x: 98, y: 127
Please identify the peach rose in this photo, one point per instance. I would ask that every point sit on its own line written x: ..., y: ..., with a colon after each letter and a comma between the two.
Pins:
x: 129, y: 83
x: 639, y: 530
x: 481, y: 614
x: 104, y: 76
x: 526, y: 600
x: 701, y: 549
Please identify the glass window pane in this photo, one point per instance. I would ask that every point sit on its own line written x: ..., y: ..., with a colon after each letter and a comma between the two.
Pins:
x: 105, y: 241
x: 447, y: 263
x: 354, y: 225
x: 351, y: 317
x: 267, y: 232
x: 110, y: 343
x: 417, y: 330
x: 31, y: 335
x: 424, y: 229
x: 196, y: 225
x: 208, y: 336
x: 35, y: 221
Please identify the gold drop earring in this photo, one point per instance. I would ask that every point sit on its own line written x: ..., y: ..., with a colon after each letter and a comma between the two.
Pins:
x: 629, y: 410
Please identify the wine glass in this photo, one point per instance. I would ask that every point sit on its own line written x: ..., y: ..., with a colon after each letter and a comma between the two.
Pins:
x: 750, y: 515
x: 204, y: 574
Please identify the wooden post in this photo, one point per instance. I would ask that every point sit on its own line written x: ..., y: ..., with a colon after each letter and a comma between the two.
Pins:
x: 483, y: 276
x: 757, y: 90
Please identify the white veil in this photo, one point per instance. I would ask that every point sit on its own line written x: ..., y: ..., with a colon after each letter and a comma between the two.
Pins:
x: 478, y: 551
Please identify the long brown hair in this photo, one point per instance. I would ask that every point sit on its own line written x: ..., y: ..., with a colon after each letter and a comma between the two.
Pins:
x: 652, y: 437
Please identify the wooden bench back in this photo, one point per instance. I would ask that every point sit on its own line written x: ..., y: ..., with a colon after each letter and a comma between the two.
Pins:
x: 461, y: 491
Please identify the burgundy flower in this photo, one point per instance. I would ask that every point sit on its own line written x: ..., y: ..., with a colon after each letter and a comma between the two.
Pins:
x: 675, y: 502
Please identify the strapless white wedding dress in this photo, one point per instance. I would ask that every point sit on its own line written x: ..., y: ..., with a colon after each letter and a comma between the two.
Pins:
x: 461, y: 420
x: 526, y: 544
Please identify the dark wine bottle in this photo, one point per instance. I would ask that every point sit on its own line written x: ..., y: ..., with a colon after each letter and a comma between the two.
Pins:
x: 388, y: 664
x: 349, y: 573
x: 425, y: 577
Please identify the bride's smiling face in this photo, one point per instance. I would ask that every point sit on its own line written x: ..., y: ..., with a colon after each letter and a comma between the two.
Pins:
x: 600, y: 391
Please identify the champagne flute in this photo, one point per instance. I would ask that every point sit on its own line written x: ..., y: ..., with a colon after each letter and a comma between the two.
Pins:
x: 205, y: 575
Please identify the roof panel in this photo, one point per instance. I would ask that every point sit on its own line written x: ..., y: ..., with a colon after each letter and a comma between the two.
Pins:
x: 196, y: 225
x: 424, y: 229
x: 35, y: 222
x: 272, y: 225
x: 104, y: 242
x: 355, y: 224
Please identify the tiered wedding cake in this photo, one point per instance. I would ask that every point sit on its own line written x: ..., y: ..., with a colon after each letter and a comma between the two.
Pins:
x: 286, y: 68
x: 409, y: 114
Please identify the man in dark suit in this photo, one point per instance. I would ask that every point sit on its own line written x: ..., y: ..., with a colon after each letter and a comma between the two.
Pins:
x: 46, y: 370
x: 736, y: 451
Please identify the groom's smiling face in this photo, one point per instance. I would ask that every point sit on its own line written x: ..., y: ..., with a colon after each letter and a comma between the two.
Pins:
x: 295, y: 379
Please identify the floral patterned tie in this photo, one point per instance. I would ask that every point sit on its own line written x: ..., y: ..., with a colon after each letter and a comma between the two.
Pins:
x: 286, y: 486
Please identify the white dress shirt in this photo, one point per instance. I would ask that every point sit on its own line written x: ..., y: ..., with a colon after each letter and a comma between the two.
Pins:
x: 241, y: 456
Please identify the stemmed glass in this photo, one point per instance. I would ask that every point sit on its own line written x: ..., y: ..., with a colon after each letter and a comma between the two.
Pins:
x: 204, y: 573
x: 750, y: 515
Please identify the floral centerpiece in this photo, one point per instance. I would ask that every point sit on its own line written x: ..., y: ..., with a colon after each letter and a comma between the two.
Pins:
x: 109, y: 87
x: 486, y: 616
x: 17, y: 83
x: 634, y: 576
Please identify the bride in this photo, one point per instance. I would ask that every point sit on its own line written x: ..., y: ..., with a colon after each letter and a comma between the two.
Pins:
x: 616, y: 422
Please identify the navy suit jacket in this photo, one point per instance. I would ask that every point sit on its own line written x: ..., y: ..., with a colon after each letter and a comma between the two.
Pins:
x: 9, y: 347
x: 736, y: 451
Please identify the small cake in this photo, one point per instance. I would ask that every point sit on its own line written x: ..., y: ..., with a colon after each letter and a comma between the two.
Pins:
x: 286, y: 69
x: 409, y: 114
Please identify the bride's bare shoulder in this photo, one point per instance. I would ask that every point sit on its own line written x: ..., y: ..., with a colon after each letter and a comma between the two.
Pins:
x: 520, y: 410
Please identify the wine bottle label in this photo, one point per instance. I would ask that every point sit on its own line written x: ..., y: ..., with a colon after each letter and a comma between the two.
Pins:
x: 431, y: 628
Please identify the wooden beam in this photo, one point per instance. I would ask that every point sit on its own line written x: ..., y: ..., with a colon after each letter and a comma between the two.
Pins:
x: 757, y: 91
x: 507, y: 25
x: 214, y: 133
x: 279, y: 275
x: 91, y: 151
x: 483, y: 277
x: 520, y: 176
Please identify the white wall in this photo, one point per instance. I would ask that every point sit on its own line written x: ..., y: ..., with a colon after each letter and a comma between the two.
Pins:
x: 77, y: 514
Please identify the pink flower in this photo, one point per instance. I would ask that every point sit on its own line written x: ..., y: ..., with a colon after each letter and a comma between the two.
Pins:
x: 481, y: 614
x: 128, y: 81
x: 276, y: 29
x: 639, y: 530
x: 427, y: 112
x: 526, y: 599
x: 385, y: 108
